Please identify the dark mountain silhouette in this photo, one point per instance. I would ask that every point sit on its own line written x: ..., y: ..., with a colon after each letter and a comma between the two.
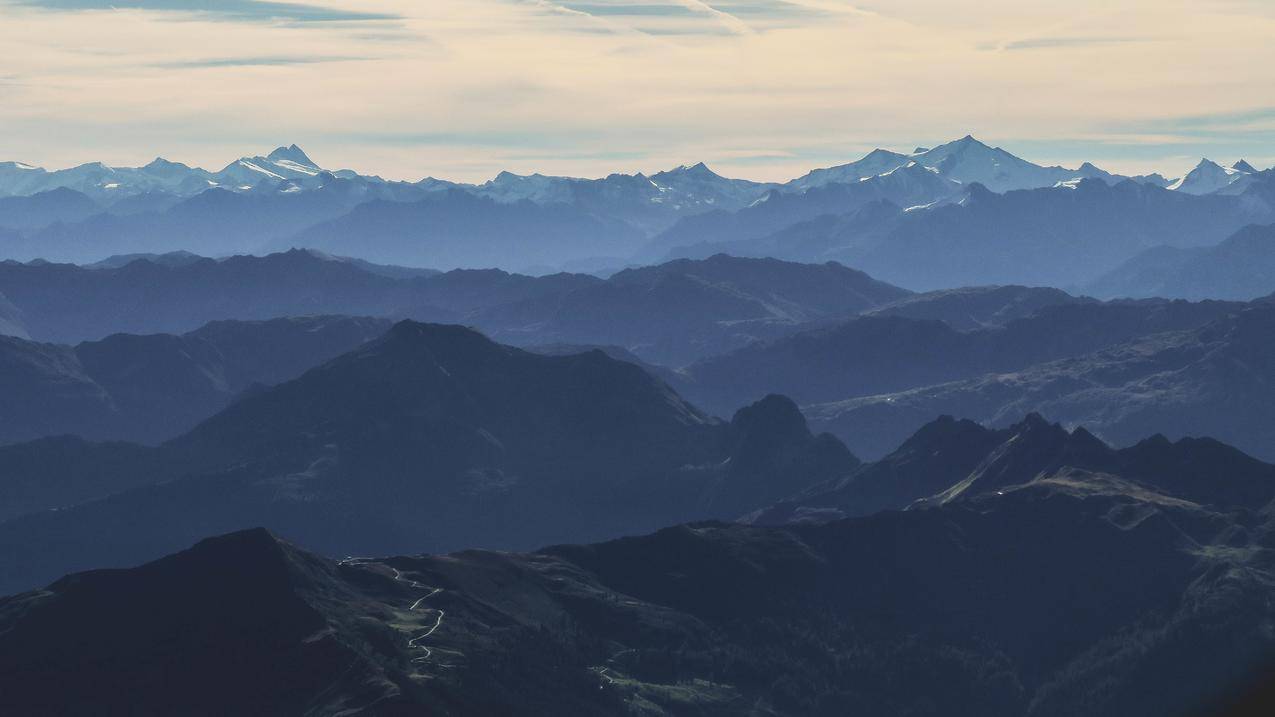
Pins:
x: 172, y: 258
x: 11, y: 323
x: 1059, y: 577
x: 1212, y: 380
x: 66, y: 303
x: 670, y: 313
x: 677, y: 312
x: 148, y: 388
x: 878, y: 354
x: 1240, y: 268
x: 949, y: 461
x: 434, y: 437
x: 174, y: 294
x: 977, y: 307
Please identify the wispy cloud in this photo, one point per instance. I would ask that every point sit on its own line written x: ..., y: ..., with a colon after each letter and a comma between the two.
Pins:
x: 1039, y: 43
x: 227, y: 9
x: 217, y: 62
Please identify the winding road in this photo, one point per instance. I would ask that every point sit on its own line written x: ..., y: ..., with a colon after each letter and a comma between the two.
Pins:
x: 398, y: 576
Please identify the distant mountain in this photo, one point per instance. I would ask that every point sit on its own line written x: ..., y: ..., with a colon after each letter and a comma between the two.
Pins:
x: 214, y: 222
x: 283, y: 163
x: 537, y: 223
x: 434, y: 437
x: 1213, y: 380
x: 457, y: 229
x: 67, y: 304
x: 162, y: 177
x: 1209, y: 177
x: 1047, y: 237
x: 874, y: 163
x: 45, y: 208
x: 1060, y: 236
x: 683, y: 310
x: 11, y: 320
x: 983, y: 604
x: 879, y: 354
x: 966, y: 161
x: 1240, y: 268
x: 977, y: 307
x: 907, y: 186
x: 969, y: 161
x: 171, y: 259
x: 648, y: 203
x: 156, y: 208
x: 671, y: 313
x: 154, y: 387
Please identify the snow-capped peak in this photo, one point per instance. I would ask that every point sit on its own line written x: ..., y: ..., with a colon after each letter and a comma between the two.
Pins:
x: 292, y: 154
x: 1208, y: 177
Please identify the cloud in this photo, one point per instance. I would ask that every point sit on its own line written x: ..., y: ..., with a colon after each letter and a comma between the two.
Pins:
x: 227, y: 9
x: 218, y: 62
x: 1038, y: 43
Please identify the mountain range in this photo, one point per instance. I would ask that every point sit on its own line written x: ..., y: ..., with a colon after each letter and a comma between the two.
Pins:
x: 1241, y: 267
x: 1212, y: 380
x: 672, y: 313
x: 888, y: 351
x: 1041, y: 573
x: 939, y: 432
x: 1060, y: 236
x: 148, y: 388
x: 431, y: 437
x: 889, y: 203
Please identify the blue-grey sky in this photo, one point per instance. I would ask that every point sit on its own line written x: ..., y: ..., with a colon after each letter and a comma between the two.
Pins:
x: 764, y: 89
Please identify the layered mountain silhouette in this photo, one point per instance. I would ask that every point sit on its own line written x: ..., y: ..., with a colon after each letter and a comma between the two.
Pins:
x: 672, y: 313
x: 683, y: 310
x: 1242, y: 267
x: 906, y: 186
x: 433, y: 438
x: 1056, y: 577
x: 45, y: 208
x: 1060, y: 236
x: 885, y: 353
x: 459, y: 229
x: 178, y: 293
x: 950, y: 461
x: 977, y: 307
x: 1213, y: 380
x: 147, y: 388
x: 959, y: 214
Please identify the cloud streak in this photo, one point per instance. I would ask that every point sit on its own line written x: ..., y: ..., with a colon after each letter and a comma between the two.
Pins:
x: 226, y: 9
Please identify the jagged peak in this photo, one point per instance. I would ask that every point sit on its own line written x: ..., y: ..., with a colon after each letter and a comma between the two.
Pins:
x: 699, y: 169
x: 291, y: 153
x: 968, y: 142
x: 161, y: 163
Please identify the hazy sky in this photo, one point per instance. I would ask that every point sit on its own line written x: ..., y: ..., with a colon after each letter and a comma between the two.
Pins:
x: 757, y: 88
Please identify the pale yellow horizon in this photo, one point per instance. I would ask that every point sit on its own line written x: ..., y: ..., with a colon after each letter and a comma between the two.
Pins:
x: 462, y: 89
